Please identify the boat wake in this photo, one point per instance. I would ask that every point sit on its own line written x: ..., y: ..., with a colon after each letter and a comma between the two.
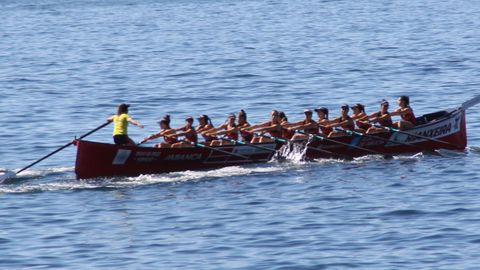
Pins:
x: 62, y: 179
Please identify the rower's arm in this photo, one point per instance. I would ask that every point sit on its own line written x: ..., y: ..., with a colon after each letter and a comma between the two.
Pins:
x: 303, y: 126
x: 383, y: 117
x: 152, y: 137
x: 136, y: 123
x: 338, y: 124
x: 190, y: 130
x: 266, y: 128
x: 262, y: 125
x: 400, y: 111
x: 214, y: 130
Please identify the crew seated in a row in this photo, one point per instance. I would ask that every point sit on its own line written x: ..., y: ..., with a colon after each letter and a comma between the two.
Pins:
x: 277, y: 127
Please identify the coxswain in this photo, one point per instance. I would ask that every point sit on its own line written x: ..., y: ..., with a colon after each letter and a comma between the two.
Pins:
x: 322, y: 114
x: 204, y: 124
x: 247, y: 136
x: 359, y: 115
x: 188, y: 132
x: 382, y: 118
x: 344, y: 121
x: 308, y: 125
x: 229, y: 129
x: 406, y: 114
x: 168, y: 134
x: 120, y: 128
x: 273, y: 127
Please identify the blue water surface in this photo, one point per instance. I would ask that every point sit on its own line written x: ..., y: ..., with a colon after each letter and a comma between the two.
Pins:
x: 65, y: 65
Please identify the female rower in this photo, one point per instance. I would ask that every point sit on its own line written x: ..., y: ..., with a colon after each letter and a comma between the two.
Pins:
x: 404, y: 110
x: 204, y: 124
x: 120, y: 128
x: 188, y: 132
x: 229, y: 129
x: 323, y: 121
x: 168, y: 134
x: 286, y: 132
x: 381, y: 117
x: 344, y: 121
x: 273, y: 127
x: 247, y: 136
x: 358, y: 115
x: 308, y: 125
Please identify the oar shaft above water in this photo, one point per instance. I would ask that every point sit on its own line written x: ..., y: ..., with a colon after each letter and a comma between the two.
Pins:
x: 63, y: 147
x: 351, y: 132
x: 218, y: 150
x: 341, y: 143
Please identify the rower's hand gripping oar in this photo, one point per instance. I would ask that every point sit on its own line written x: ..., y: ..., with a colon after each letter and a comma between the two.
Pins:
x: 12, y: 174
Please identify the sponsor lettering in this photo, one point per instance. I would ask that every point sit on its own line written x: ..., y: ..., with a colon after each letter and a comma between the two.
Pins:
x: 431, y: 133
x: 184, y: 157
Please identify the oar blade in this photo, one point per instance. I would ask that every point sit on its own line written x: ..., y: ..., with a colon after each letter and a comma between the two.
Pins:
x: 470, y: 103
x: 6, y: 175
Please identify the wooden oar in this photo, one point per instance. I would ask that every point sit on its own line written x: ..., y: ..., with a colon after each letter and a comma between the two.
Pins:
x: 217, y: 150
x: 341, y: 143
x: 471, y: 102
x: 249, y: 144
x: 309, y: 147
x: 417, y: 136
x: 63, y: 147
x: 351, y: 132
x: 9, y: 174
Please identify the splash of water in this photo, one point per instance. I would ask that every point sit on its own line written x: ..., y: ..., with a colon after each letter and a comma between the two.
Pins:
x: 295, y: 152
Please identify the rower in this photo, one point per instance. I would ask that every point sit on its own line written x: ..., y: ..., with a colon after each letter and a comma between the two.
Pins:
x: 381, y: 117
x: 404, y: 110
x: 188, y: 132
x: 229, y: 129
x: 308, y: 125
x: 344, y: 121
x: 358, y: 115
x: 273, y: 127
x: 243, y: 123
x: 204, y: 124
x: 168, y: 134
x: 120, y: 129
x: 323, y: 121
x: 286, y: 132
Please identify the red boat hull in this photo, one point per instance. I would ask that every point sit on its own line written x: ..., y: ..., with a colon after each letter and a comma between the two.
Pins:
x: 106, y: 160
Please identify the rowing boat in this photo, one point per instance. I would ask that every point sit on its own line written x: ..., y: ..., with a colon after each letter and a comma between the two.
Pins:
x: 442, y: 129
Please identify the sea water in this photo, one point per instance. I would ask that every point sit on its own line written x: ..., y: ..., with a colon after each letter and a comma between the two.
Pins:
x: 65, y: 65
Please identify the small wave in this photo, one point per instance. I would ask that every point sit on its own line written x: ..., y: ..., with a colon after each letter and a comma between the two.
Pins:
x: 404, y: 213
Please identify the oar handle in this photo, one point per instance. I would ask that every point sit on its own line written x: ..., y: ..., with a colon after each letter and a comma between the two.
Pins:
x: 63, y: 147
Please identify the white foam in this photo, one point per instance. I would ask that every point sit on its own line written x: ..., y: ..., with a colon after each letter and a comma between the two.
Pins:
x: 6, y: 175
x: 72, y: 184
x: 293, y: 152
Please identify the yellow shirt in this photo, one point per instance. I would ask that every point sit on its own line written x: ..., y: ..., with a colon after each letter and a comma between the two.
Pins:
x: 120, y: 124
